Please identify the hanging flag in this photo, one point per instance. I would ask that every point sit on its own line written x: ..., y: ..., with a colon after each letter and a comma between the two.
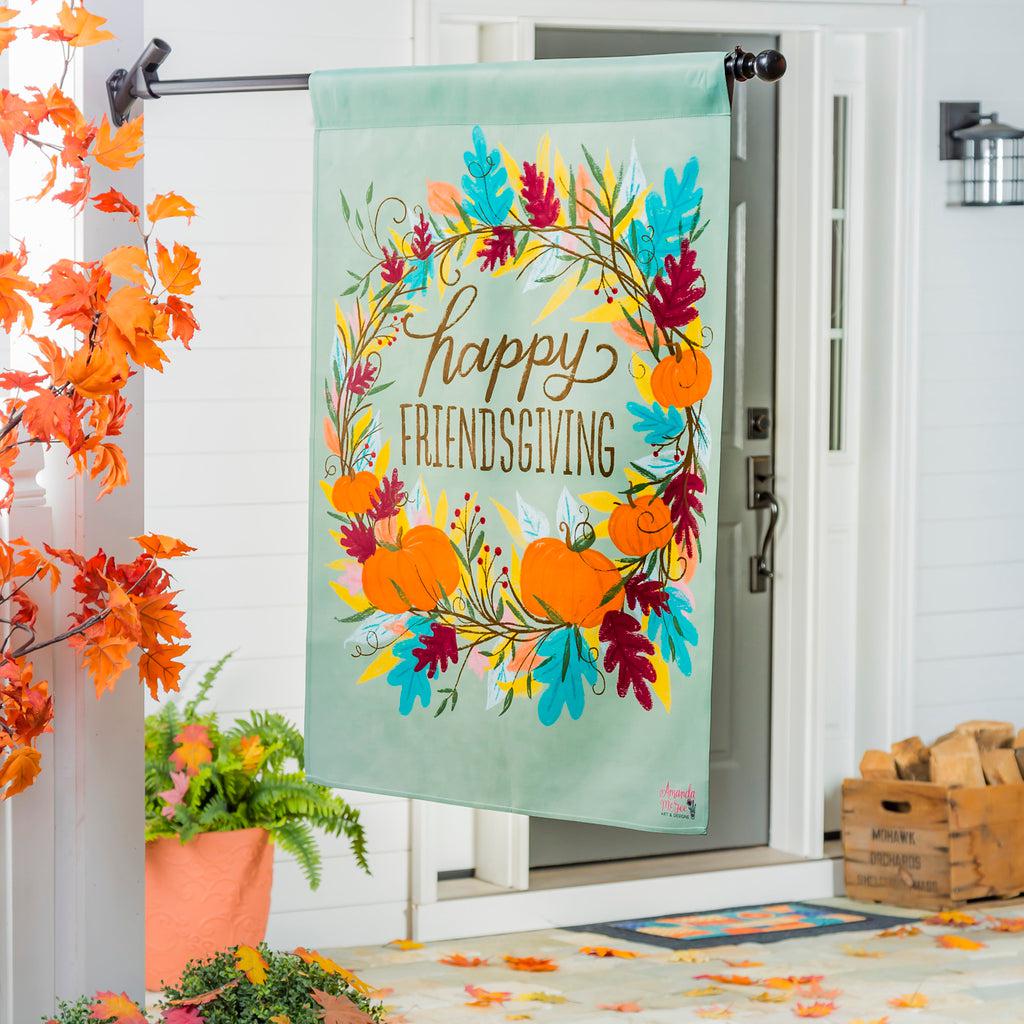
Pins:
x: 517, y: 361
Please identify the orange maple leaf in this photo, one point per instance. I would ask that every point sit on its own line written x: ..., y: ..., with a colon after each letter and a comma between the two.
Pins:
x: 328, y: 966
x: 179, y: 273
x: 903, y: 931
x: 1006, y: 924
x: 170, y: 204
x: 18, y: 771
x: 792, y: 981
x: 158, y: 668
x: 727, y: 979
x: 13, y: 289
x: 129, y: 262
x: 123, y: 610
x: 952, y: 919
x: 249, y: 961
x: 81, y: 28
x: 609, y: 951
x: 913, y: 1001
x: 205, y: 997
x: 818, y: 1009
x: 7, y: 35
x: 482, y: 997
x: 110, y: 461
x: 339, y: 1009
x: 113, y: 201
x: 110, y: 1005
x: 621, y: 1007
x: 159, y: 619
x: 94, y: 372
x: 161, y: 546
x: 531, y: 964
x: 123, y: 149
x: 458, y: 960
x: 193, y: 750
x: 770, y: 997
x: 958, y: 942
x: 106, y: 657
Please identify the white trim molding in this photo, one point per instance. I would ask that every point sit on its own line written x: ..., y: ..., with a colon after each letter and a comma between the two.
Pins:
x: 475, y: 30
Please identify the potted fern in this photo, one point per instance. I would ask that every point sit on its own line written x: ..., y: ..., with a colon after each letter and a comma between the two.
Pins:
x: 217, y: 802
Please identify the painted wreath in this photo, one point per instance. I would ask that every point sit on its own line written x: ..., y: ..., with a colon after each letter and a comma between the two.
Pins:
x: 554, y: 617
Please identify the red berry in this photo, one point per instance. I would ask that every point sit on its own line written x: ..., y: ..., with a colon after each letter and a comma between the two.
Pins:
x: 466, y: 496
x: 505, y: 570
x: 497, y: 552
x: 479, y: 561
x: 597, y: 291
x: 504, y: 585
x: 458, y: 512
x: 482, y: 520
x: 487, y: 547
x: 451, y: 526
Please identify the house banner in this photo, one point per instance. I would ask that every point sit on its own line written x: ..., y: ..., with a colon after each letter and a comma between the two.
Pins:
x: 520, y: 277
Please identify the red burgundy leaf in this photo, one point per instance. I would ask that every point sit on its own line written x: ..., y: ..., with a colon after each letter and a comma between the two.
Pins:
x: 676, y: 290
x: 422, y: 242
x: 438, y: 649
x: 628, y: 651
x: 649, y: 595
x: 498, y: 247
x: 685, y: 506
x: 388, y: 498
x: 359, y: 378
x: 358, y: 541
x: 539, y: 197
x: 392, y: 267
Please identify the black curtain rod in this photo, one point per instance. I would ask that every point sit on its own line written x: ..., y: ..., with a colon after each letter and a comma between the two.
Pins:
x: 141, y: 81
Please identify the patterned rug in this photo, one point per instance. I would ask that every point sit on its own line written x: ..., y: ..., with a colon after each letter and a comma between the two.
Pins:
x: 763, y: 923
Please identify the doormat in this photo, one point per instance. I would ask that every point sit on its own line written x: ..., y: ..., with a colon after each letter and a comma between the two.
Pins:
x: 762, y: 923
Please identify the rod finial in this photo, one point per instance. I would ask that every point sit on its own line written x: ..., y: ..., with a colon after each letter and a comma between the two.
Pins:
x: 742, y: 66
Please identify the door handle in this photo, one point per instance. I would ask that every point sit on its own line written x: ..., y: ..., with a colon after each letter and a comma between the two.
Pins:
x: 760, y: 495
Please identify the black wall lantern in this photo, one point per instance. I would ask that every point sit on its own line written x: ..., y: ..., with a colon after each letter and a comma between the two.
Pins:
x: 991, y: 155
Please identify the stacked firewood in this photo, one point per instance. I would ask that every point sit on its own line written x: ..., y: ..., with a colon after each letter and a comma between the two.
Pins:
x: 975, y: 753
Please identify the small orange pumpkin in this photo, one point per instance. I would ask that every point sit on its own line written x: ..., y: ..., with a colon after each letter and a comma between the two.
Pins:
x: 571, y: 583
x: 642, y: 527
x: 353, y: 493
x: 414, y: 575
x: 682, y: 379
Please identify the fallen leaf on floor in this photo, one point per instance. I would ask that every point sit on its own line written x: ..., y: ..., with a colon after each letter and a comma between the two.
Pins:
x: 405, y: 944
x: 606, y: 951
x: 688, y: 956
x: 481, y: 997
x: 818, y: 1009
x: 877, y: 1020
x: 531, y: 964
x: 707, y: 990
x: 792, y: 981
x: 714, y: 1012
x: 743, y: 963
x: 516, y: 1016
x: 913, y: 1001
x: 541, y: 997
x: 903, y: 931
x: 770, y: 997
x: 867, y: 954
x: 727, y: 979
x: 458, y: 960
x: 815, y: 991
x: 380, y: 993
x: 1005, y: 924
x: 621, y: 1007
x: 958, y: 942
x: 952, y: 918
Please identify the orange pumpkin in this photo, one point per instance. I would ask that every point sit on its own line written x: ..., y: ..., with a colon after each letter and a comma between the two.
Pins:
x: 570, y: 583
x: 642, y: 527
x: 682, y: 379
x: 414, y: 575
x: 353, y: 493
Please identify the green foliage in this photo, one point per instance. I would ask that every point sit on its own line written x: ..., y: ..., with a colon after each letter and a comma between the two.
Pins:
x: 255, y: 779
x: 287, y: 990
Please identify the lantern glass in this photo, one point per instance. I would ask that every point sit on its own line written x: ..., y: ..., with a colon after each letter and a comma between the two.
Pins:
x: 993, y: 163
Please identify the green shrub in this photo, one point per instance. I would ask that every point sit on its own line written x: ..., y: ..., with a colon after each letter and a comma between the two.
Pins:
x: 249, y: 776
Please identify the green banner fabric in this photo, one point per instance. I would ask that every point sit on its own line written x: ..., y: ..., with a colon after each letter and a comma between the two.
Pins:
x: 520, y: 276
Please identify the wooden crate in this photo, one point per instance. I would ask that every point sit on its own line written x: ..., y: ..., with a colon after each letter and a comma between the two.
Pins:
x: 915, y: 844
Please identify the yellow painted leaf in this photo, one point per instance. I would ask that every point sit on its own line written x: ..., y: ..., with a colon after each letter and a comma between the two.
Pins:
x: 558, y: 298
x: 662, y: 685
x: 251, y: 964
x: 609, y: 312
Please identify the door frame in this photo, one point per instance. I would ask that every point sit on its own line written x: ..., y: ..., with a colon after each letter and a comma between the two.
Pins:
x: 453, y: 31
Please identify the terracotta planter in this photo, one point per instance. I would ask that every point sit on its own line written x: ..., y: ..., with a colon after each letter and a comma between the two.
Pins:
x: 203, y: 896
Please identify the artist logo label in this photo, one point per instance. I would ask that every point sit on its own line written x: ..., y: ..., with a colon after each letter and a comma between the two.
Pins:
x: 677, y: 803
